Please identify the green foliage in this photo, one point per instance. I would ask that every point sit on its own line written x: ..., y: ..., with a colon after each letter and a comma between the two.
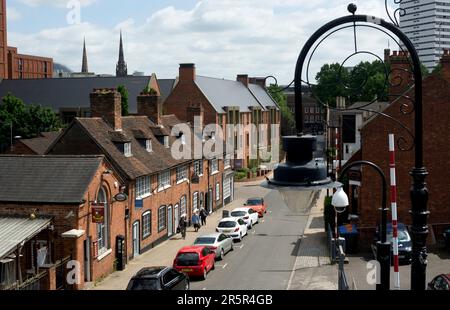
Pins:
x: 149, y: 90
x: 240, y: 175
x: 253, y: 164
x: 124, y: 93
x: 331, y: 153
x: 277, y: 95
x: 28, y: 121
x: 437, y: 70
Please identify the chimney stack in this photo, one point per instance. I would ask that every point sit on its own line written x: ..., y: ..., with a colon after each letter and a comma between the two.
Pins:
x: 445, y: 64
x: 150, y: 105
x: 243, y: 78
x: 187, y: 72
x: 258, y: 81
x: 106, y: 103
x: 400, y: 75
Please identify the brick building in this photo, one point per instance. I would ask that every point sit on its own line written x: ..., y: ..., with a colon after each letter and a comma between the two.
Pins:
x: 18, y: 66
x: 374, y: 147
x: 219, y: 101
x: 34, y: 146
x: 62, y: 189
x: 160, y: 188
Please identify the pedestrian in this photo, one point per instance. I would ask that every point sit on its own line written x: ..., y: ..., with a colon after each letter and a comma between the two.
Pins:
x: 203, y: 215
x: 196, y: 220
x: 183, y: 225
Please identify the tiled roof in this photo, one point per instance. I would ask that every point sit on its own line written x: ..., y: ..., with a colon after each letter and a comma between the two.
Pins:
x: 141, y: 162
x: 39, y: 145
x: 46, y: 179
x: 74, y: 92
x: 262, y: 96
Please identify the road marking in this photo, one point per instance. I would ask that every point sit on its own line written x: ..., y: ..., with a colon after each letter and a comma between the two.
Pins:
x: 253, y: 232
x: 224, y: 266
x: 293, y: 267
x: 241, y: 246
x: 263, y: 221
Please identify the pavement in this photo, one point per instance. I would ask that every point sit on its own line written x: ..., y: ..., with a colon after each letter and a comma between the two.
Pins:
x: 164, y: 253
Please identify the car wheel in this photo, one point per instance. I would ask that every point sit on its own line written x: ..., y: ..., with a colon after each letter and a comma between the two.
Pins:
x: 257, y: 220
x: 232, y: 246
x: 250, y: 225
x: 186, y: 287
x: 205, y: 274
x: 222, y: 254
x: 213, y: 266
x: 240, y: 237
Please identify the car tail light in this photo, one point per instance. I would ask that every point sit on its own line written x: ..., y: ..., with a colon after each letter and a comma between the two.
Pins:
x: 245, y: 217
x: 237, y: 229
x: 213, y: 248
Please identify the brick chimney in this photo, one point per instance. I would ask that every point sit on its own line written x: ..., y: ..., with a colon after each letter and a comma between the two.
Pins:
x: 258, y: 81
x: 243, y: 78
x: 187, y: 72
x: 192, y: 112
x: 106, y: 103
x: 445, y: 63
x: 400, y: 75
x: 150, y: 105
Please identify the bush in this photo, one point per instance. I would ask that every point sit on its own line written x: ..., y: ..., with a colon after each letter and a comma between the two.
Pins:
x: 240, y: 175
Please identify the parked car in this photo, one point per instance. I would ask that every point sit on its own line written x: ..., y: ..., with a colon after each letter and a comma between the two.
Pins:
x: 248, y: 215
x: 440, y: 283
x: 195, y: 261
x: 404, y: 243
x: 233, y: 227
x: 218, y: 242
x: 258, y: 205
x: 158, y: 278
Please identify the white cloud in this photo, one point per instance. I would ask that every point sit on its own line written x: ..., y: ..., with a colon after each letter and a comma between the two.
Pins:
x: 13, y: 14
x: 223, y: 38
x: 56, y: 3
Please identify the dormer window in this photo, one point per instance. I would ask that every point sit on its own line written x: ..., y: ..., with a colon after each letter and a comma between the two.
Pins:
x: 127, y: 149
x: 148, y: 145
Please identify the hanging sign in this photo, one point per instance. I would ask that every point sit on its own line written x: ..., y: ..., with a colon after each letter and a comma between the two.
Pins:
x: 98, y: 213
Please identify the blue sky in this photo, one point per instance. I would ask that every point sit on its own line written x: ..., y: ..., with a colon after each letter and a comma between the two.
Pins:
x: 223, y: 37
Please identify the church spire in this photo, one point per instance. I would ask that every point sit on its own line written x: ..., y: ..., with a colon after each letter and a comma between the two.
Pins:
x: 121, y: 68
x: 84, y: 66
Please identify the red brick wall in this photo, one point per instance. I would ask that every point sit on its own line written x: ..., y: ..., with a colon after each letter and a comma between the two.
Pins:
x: 75, y: 142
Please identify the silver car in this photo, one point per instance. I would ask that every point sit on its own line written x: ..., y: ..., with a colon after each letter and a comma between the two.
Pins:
x: 218, y: 242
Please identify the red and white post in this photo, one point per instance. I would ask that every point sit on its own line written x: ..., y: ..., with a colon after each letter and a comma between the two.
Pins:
x: 394, y: 210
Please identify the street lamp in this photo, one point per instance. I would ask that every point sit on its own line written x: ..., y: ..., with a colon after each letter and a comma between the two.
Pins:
x: 340, y: 200
x: 419, y: 192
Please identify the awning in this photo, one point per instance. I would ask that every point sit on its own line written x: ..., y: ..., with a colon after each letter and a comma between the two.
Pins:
x: 74, y: 233
x: 15, y: 231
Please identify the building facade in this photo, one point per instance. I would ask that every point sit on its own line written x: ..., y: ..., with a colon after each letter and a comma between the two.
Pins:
x: 426, y: 23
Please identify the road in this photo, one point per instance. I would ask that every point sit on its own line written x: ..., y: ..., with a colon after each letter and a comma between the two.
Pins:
x: 265, y: 258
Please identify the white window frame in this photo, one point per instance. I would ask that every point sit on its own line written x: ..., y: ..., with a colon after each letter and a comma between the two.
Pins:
x: 103, y: 228
x: 146, y: 224
x: 217, y: 191
x: 143, y: 187
x: 214, y: 166
x: 163, y: 180
x: 148, y: 145
x: 162, y: 224
x: 182, y: 174
x: 311, y: 110
x: 198, y: 167
x: 183, y: 205
x: 227, y: 162
x: 195, y: 199
x: 127, y: 149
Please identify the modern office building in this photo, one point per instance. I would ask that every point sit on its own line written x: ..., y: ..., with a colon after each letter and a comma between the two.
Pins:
x: 427, y: 24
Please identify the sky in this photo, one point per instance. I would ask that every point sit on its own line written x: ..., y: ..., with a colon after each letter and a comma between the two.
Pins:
x: 222, y: 37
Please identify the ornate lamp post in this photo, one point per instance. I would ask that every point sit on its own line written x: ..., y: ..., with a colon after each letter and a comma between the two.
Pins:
x: 301, y: 172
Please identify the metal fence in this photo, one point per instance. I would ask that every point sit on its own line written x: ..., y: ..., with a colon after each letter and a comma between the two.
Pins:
x: 337, y: 255
x: 61, y: 274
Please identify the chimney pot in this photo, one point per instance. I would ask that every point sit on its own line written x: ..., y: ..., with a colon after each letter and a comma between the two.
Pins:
x: 187, y: 72
x: 243, y: 78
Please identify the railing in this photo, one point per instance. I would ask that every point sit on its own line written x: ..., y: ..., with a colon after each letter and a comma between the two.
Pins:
x: 61, y: 274
x: 337, y: 254
x: 31, y: 284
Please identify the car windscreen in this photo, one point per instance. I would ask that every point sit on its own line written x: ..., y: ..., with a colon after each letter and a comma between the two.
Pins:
x: 205, y: 240
x: 402, y: 236
x: 238, y: 213
x: 143, y: 284
x: 253, y: 202
x: 187, y: 259
x: 227, y: 224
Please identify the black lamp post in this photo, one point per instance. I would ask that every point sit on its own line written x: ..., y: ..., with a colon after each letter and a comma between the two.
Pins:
x: 301, y: 172
x: 383, y: 245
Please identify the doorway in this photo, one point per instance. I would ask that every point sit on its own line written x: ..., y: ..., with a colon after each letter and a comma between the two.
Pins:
x: 87, y: 259
x: 176, y: 212
x: 170, y: 221
x: 136, y: 239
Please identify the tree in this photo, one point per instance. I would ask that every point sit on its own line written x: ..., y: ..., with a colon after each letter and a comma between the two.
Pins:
x: 27, y: 121
x: 280, y: 98
x: 124, y: 92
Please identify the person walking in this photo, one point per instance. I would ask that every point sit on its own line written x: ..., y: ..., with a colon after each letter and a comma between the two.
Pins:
x: 203, y: 215
x: 196, y: 220
x: 183, y: 225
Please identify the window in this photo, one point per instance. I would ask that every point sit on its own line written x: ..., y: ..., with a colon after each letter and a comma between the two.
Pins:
x: 162, y: 218
x: 143, y: 187
x: 183, y: 205
x: 127, y: 149
x: 146, y: 224
x: 214, y: 165
x: 217, y: 191
x: 227, y: 162
x: 317, y: 118
x: 148, y: 145
x: 182, y: 173
x: 103, y: 228
x: 317, y: 110
x: 195, y: 201
x: 198, y: 167
x: 306, y: 110
x: 164, y: 180
x: 311, y: 110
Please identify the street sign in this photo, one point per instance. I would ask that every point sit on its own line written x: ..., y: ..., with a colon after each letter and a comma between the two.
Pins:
x: 120, y: 197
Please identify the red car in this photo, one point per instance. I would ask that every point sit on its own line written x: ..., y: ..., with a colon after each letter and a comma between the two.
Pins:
x: 257, y: 204
x: 195, y: 261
